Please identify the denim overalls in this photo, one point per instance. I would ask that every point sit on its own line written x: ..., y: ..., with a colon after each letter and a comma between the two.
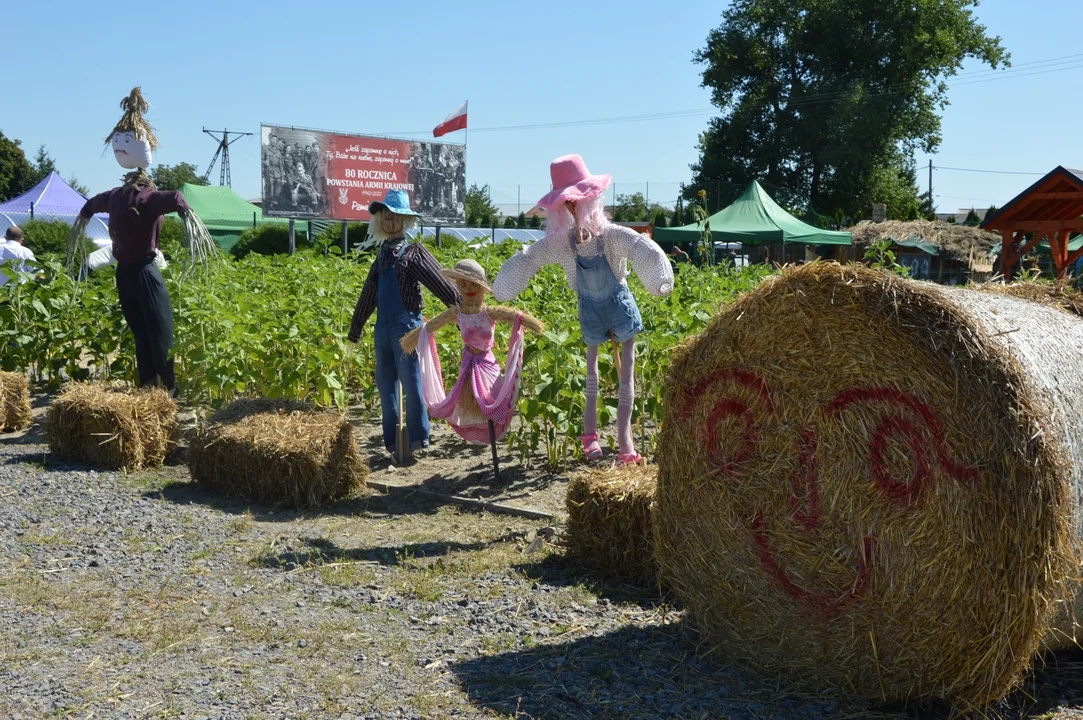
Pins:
x: 393, y: 321
x: 605, y: 305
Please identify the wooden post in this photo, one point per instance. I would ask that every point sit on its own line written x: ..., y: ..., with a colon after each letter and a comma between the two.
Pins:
x: 402, y: 434
x: 492, y: 443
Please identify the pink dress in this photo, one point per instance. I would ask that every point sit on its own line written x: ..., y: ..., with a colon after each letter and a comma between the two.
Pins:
x: 479, y: 374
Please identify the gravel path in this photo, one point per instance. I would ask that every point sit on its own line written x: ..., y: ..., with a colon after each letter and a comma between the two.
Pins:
x: 138, y: 596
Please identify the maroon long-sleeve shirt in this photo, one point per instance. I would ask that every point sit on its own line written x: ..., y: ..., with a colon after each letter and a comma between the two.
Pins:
x: 135, y: 218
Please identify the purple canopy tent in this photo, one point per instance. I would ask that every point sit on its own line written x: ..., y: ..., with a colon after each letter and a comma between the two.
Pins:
x: 52, y: 199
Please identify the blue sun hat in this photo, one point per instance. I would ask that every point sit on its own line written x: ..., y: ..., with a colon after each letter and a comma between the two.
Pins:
x: 397, y: 201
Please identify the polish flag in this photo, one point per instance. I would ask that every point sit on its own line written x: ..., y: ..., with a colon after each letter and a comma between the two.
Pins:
x: 455, y: 121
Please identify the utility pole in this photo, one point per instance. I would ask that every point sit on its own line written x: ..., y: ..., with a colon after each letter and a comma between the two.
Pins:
x: 931, y: 207
x: 223, y: 149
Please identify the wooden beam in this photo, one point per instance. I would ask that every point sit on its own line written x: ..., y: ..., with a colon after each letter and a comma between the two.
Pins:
x: 1037, y: 226
x: 1008, y: 254
x: 1069, y: 195
x: 1074, y: 255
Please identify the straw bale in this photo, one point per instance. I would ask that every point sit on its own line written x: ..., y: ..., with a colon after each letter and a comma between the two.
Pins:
x: 278, y: 453
x: 957, y: 241
x: 14, y: 401
x: 609, y: 522
x: 874, y: 484
x: 112, y: 427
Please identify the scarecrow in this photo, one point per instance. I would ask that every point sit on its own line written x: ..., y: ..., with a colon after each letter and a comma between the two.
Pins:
x: 595, y: 255
x: 393, y: 291
x: 136, y: 209
x: 482, y: 402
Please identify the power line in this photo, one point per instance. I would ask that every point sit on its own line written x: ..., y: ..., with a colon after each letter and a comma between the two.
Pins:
x: 990, y: 172
x: 1031, y: 69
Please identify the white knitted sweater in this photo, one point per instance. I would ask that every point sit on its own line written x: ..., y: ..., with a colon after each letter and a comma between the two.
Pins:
x: 622, y: 245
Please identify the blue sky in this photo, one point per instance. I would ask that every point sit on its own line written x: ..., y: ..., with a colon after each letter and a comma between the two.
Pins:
x: 395, y: 68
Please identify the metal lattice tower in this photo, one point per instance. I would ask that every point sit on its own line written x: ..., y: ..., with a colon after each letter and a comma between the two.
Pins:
x: 223, y: 149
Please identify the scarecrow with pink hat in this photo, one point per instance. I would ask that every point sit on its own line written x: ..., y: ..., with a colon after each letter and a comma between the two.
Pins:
x: 595, y: 255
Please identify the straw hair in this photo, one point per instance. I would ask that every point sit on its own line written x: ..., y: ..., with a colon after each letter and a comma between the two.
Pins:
x: 111, y: 427
x: 609, y: 522
x: 134, y: 106
x: 867, y: 483
x: 278, y: 453
x: 14, y: 401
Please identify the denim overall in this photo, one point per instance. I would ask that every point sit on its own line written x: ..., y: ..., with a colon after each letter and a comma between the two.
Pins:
x: 393, y: 321
x: 605, y: 305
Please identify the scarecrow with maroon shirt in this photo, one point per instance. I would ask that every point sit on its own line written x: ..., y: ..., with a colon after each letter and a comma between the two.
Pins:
x: 136, y: 209
x: 393, y: 290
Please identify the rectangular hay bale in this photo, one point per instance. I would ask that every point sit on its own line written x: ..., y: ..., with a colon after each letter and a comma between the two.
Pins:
x: 14, y: 401
x: 112, y: 427
x: 278, y: 454
x: 609, y: 522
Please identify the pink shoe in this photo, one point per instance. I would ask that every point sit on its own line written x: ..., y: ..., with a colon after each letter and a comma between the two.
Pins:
x: 591, y: 448
x: 632, y: 458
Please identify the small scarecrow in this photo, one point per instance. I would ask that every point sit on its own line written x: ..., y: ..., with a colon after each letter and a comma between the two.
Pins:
x: 136, y: 209
x: 393, y: 291
x: 595, y: 255
x: 481, y: 404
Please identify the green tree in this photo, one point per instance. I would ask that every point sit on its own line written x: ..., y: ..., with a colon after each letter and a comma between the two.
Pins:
x: 897, y: 187
x: 823, y: 97
x: 630, y: 208
x: 479, y: 206
x: 17, y: 175
x: 509, y: 222
x: 972, y: 217
x: 660, y: 218
x: 521, y: 221
x: 171, y: 177
x: 43, y: 164
x: 78, y: 186
x: 991, y: 212
x: 535, y: 221
x: 677, y: 220
x: 926, y: 209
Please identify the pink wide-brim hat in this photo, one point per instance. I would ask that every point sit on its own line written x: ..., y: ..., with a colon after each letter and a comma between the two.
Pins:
x: 573, y: 182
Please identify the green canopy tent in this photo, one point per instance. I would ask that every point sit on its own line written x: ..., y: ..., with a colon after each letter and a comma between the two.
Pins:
x: 754, y: 219
x: 224, y: 212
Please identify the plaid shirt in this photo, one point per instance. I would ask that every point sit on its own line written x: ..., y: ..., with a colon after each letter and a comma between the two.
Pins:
x: 417, y: 267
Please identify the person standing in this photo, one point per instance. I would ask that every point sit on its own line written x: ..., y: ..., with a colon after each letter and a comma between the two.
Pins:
x: 12, y: 248
x: 393, y: 291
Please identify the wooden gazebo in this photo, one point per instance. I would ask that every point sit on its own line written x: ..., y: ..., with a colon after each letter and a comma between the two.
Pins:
x: 1051, y: 209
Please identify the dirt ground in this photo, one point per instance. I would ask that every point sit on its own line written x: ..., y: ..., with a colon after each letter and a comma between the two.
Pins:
x: 142, y: 596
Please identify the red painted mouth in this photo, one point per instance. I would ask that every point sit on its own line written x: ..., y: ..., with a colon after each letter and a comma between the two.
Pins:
x: 118, y: 151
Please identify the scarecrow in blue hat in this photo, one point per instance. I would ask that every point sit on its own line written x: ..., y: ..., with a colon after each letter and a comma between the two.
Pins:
x: 393, y: 291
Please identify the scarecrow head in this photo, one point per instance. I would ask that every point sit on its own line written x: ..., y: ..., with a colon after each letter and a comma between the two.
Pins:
x: 576, y: 198
x: 391, y: 217
x: 133, y: 138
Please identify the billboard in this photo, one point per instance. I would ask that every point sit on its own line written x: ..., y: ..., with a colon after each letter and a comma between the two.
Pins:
x: 316, y: 174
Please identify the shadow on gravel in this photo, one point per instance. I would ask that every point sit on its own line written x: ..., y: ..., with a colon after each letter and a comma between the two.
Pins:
x: 558, y: 570
x: 378, y: 505
x: 653, y: 672
x: 630, y: 673
x: 324, y: 551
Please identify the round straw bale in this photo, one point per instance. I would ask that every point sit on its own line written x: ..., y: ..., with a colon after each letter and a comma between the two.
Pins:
x: 112, y: 427
x: 278, y: 453
x: 1057, y: 295
x: 873, y: 484
x: 609, y: 522
x: 14, y: 401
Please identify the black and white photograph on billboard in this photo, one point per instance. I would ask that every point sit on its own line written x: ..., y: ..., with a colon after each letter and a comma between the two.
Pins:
x: 294, y: 177
x: 438, y: 174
